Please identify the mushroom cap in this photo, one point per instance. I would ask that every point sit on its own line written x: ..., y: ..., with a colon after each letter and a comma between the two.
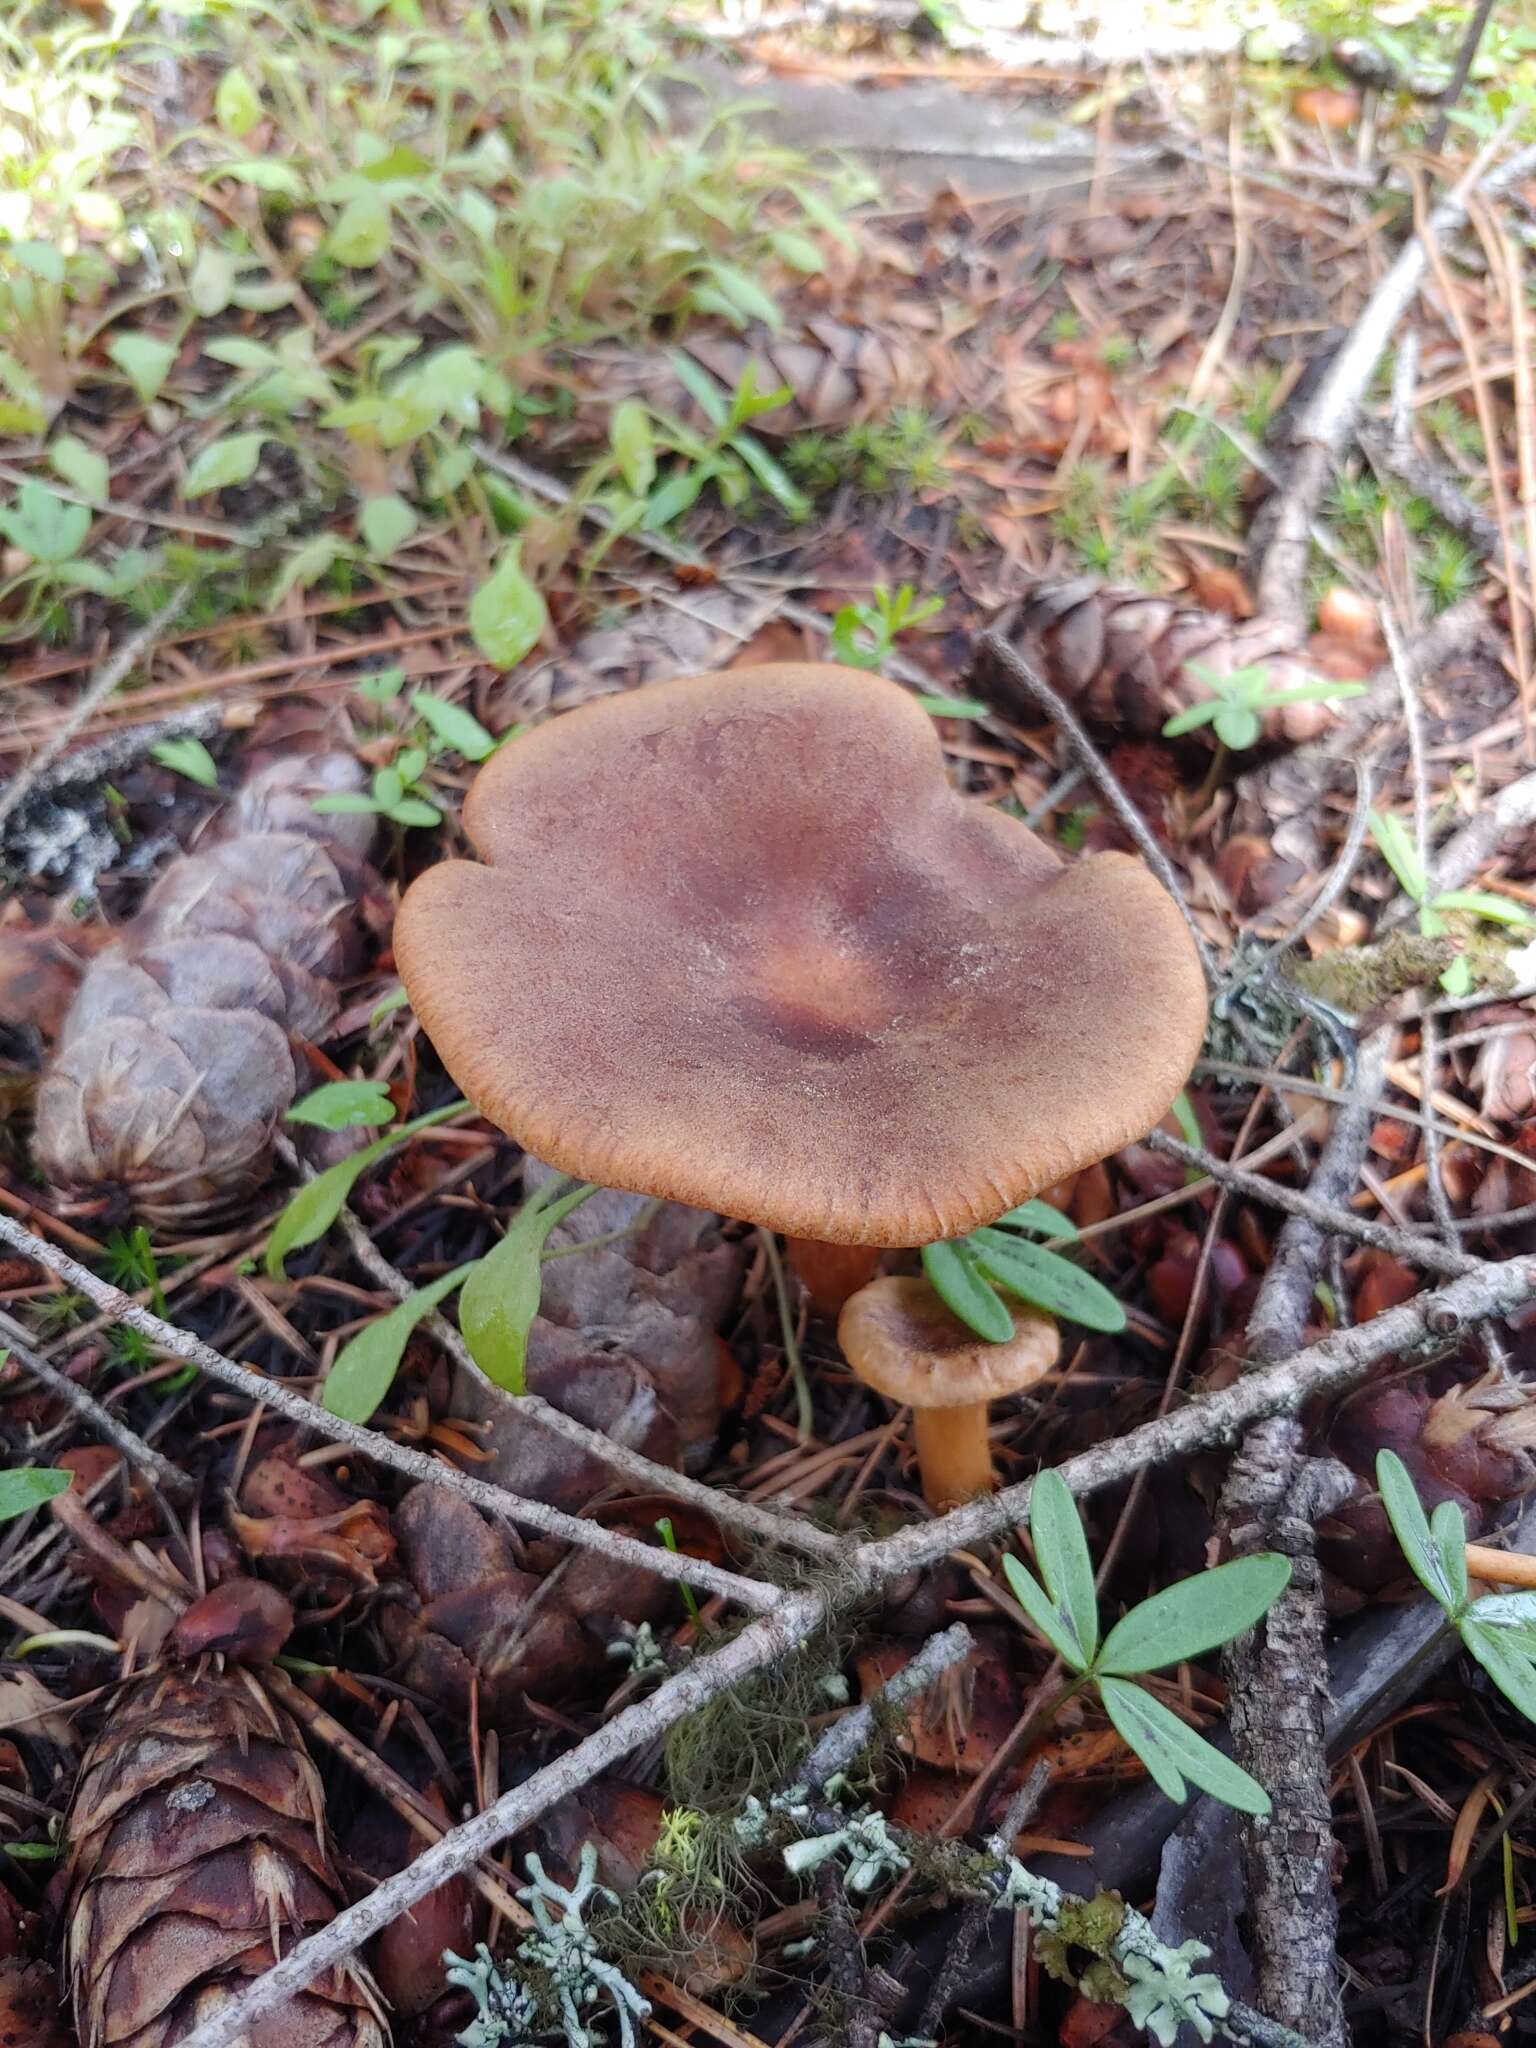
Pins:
x: 738, y: 943
x: 901, y: 1340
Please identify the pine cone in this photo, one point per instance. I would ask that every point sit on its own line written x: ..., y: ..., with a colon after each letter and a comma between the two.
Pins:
x: 1122, y: 657
x: 174, y: 1063
x: 836, y: 373
x: 198, y: 1848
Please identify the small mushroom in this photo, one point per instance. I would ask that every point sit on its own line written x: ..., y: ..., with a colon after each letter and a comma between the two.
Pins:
x: 900, y: 1339
x: 738, y: 942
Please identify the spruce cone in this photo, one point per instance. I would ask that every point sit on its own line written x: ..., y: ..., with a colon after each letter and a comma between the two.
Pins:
x: 1121, y: 657
x: 174, y: 1061
x: 837, y: 374
x: 198, y: 1847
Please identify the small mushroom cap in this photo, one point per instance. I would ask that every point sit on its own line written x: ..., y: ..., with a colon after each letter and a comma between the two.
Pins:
x: 901, y: 1340
x: 738, y: 943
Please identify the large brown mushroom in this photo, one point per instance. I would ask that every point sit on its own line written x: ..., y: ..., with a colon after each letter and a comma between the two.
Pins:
x: 738, y: 942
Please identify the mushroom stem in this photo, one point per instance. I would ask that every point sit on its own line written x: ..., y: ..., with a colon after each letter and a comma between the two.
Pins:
x: 953, y: 1453
x: 831, y: 1274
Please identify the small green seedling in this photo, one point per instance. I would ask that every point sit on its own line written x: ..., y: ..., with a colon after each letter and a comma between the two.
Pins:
x: 188, y: 757
x: 966, y: 1272
x: 865, y: 635
x: 310, y: 1212
x: 396, y: 792
x: 51, y: 533
x: 1499, y: 1631
x: 399, y: 791
x: 1402, y: 857
x: 496, y: 1311
x: 668, y: 1535
x: 1237, y: 702
x: 729, y: 456
x: 1182, y: 1622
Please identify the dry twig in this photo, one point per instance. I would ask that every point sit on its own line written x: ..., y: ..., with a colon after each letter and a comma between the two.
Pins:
x: 508, y: 1507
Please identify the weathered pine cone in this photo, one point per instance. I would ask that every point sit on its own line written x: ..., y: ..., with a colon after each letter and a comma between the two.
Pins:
x: 1122, y: 657
x: 174, y: 1062
x: 197, y: 1845
x: 835, y: 372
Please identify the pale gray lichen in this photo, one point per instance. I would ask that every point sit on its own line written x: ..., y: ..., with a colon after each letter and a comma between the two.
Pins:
x: 556, y: 1974
x: 1166, y: 1994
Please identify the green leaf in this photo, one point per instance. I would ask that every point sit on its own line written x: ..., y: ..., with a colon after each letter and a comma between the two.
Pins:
x: 83, y: 467
x: 361, y: 237
x: 1236, y: 726
x: 211, y: 285
x: 798, y: 251
x: 188, y: 757
x: 1457, y: 978
x: 1483, y: 903
x: 1449, y: 1533
x: 1186, y: 721
x: 1400, y: 854
x: 451, y: 469
x: 241, y: 353
x: 346, y: 803
x: 43, y: 526
x: 954, y: 1278
x: 1041, y: 1217
x: 230, y: 460
x: 1411, y: 1528
x: 236, y: 103
x: 42, y: 259
x: 1042, y: 1616
x: 344, y: 1106
x: 26, y: 1487
x: 412, y: 810
x: 774, y: 479
x: 365, y: 1367
x: 395, y: 165
x: 1512, y: 1672
x: 501, y: 1296
x: 264, y: 174
x: 700, y: 386
x: 397, y: 999
x: 742, y: 296
x: 315, y: 1206
x: 1172, y: 1751
x: 1185, y: 1118
x: 383, y: 685
x: 954, y: 707
x: 454, y: 726
x: 507, y: 614
x: 145, y: 361
x: 1047, y: 1280
x: 749, y: 402
x: 629, y: 435
x: 676, y: 495
x: 1320, y: 692
x: 1187, y: 1619
x: 1513, y: 1615
x: 387, y: 523
x: 306, y: 565
x: 1061, y: 1551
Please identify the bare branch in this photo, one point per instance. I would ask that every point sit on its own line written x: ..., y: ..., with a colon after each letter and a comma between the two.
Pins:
x: 106, y: 679
x: 766, y: 1524
x: 1028, y: 678
x: 1409, y: 1245
x: 169, y: 1477
x: 508, y: 1507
